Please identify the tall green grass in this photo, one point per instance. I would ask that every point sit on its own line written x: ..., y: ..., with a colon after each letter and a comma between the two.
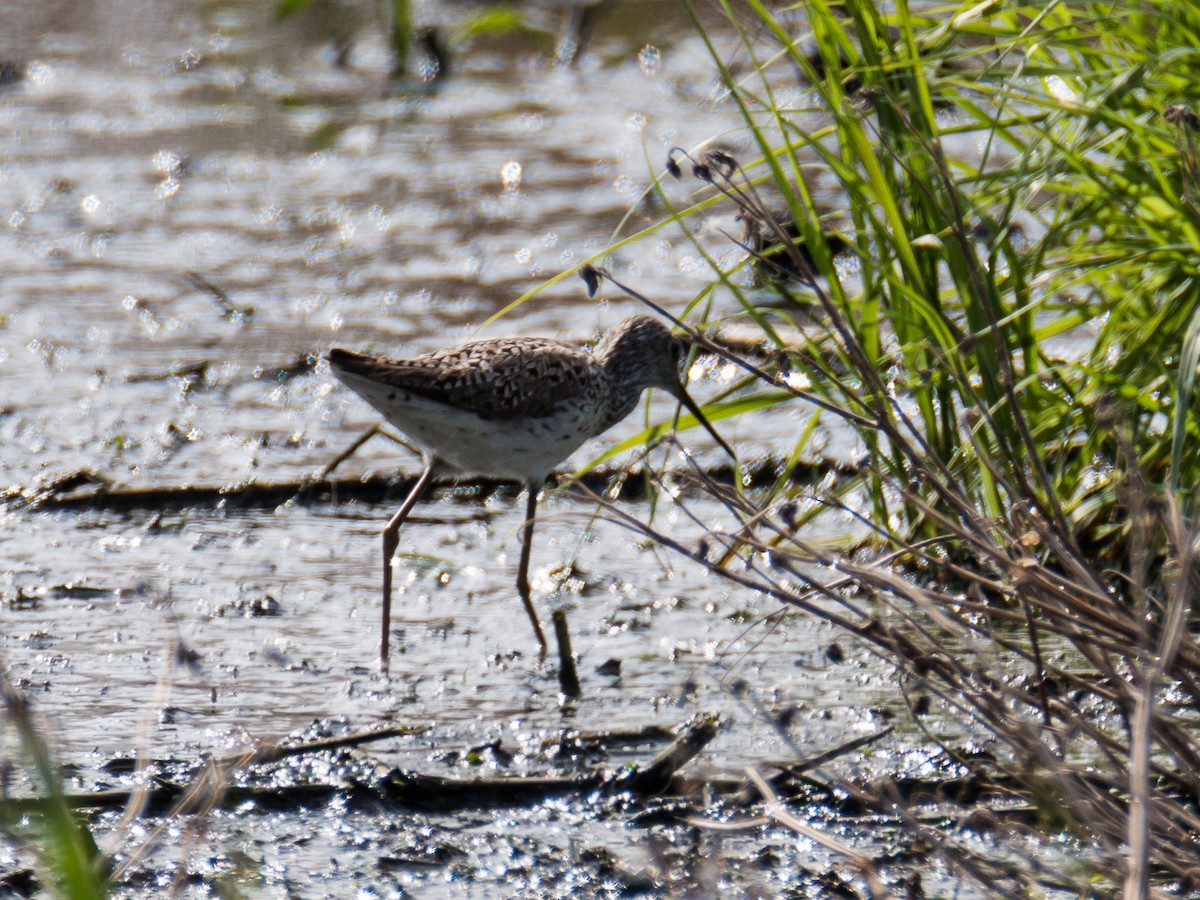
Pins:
x: 70, y: 864
x: 1075, y: 215
x: 1016, y: 351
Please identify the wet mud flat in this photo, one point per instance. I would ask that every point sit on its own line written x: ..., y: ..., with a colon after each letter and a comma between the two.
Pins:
x: 218, y: 632
x: 603, y: 821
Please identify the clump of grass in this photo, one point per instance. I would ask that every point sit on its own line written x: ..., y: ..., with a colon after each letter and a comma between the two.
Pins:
x: 1044, y: 497
x: 71, y: 864
x: 52, y: 828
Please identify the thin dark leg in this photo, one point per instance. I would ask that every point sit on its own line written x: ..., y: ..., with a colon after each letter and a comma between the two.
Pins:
x: 523, y: 565
x: 391, y: 539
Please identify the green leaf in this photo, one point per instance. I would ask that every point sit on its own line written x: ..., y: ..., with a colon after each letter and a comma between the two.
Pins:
x: 286, y: 8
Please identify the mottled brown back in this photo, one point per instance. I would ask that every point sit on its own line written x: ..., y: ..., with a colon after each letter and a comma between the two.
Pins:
x: 495, y: 379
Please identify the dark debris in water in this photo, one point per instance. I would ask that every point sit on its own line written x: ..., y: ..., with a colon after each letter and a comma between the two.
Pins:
x: 264, y: 606
x: 432, y: 856
x: 610, y: 668
x: 237, y: 784
x: 229, y: 310
x: 406, y: 826
x: 32, y: 598
x: 84, y: 489
x: 303, y: 365
x: 74, y: 485
x: 189, y: 373
x: 11, y: 72
x: 19, y: 883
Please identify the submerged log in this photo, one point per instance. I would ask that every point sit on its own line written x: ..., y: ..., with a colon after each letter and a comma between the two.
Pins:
x: 412, y: 789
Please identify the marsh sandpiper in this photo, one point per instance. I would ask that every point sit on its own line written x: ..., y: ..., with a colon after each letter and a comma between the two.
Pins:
x: 512, y: 408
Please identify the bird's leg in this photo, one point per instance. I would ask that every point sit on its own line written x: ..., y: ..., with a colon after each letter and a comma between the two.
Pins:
x: 391, y: 540
x: 523, y: 565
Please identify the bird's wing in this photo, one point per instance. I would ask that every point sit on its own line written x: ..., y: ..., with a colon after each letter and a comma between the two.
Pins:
x: 498, y: 379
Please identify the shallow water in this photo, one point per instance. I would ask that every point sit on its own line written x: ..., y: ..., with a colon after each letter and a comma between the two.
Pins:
x: 149, y: 141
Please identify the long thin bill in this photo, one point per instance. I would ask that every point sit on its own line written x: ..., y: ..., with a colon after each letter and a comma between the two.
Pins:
x: 682, y: 396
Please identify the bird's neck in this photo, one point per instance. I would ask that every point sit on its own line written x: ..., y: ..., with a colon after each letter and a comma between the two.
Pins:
x: 627, y: 371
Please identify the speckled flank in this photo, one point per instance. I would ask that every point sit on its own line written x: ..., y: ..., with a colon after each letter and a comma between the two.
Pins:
x: 515, y: 406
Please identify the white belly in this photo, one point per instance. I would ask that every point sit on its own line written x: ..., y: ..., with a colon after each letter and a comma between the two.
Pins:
x: 524, y: 449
